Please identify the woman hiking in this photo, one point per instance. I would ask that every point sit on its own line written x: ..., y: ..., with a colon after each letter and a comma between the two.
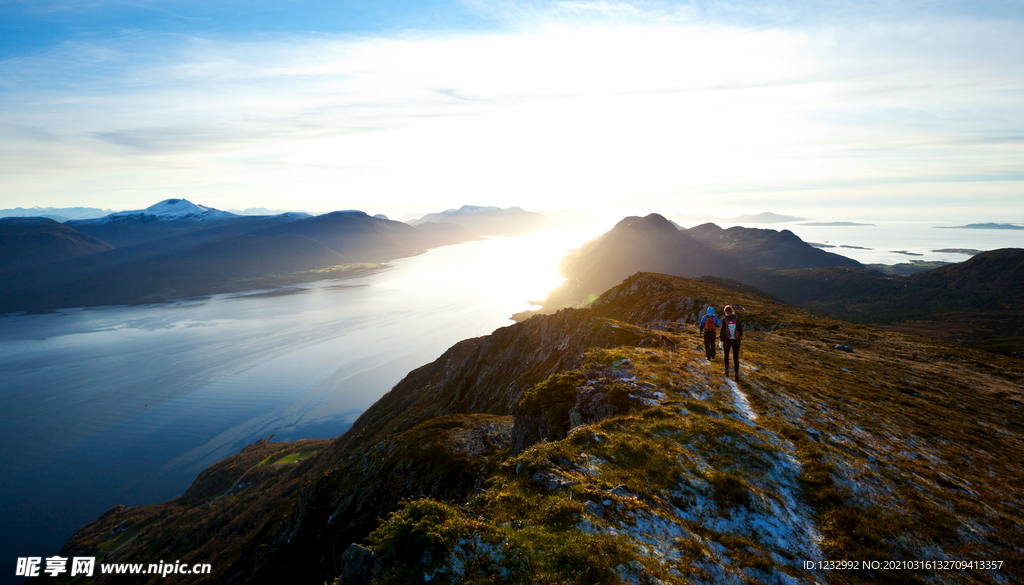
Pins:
x: 708, y: 324
x: 732, y: 331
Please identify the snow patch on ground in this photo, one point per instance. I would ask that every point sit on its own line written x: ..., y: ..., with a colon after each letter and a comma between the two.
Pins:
x: 742, y: 404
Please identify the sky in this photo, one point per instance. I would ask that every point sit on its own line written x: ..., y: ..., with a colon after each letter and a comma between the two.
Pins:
x: 830, y: 110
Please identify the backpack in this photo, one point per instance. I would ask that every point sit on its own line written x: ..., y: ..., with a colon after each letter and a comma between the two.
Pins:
x: 730, y: 328
x: 709, y: 323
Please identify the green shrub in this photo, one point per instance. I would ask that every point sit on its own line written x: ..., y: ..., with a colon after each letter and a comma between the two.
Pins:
x: 553, y: 398
x: 418, y: 525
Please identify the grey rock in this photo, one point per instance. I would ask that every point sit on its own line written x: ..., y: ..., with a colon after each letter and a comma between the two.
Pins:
x: 591, y: 405
x: 575, y: 419
x: 357, y: 564
x: 552, y: 481
x: 844, y: 347
x: 594, y: 509
x: 622, y: 492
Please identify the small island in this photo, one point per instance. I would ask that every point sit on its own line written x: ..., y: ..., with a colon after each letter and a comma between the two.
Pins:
x: 983, y: 226
x: 968, y: 251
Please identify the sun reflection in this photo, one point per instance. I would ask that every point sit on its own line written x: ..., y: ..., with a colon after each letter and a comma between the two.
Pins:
x: 515, y: 269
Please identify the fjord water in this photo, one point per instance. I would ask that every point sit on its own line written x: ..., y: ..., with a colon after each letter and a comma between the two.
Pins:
x: 126, y: 405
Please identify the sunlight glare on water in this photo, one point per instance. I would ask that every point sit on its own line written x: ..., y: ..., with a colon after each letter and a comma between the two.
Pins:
x: 134, y: 402
x: 514, y: 271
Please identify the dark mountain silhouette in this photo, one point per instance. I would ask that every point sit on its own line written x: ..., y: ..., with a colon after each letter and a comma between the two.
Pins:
x: 358, y: 236
x: 581, y: 447
x: 978, y: 300
x: 492, y: 221
x: 209, y: 254
x: 31, y: 242
x: 175, y: 235
x: 654, y: 244
x: 236, y: 262
x: 648, y: 244
x: 19, y: 281
x: 753, y: 247
x: 992, y: 280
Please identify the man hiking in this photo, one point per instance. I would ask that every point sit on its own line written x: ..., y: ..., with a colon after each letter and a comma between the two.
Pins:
x: 732, y: 331
x: 708, y: 324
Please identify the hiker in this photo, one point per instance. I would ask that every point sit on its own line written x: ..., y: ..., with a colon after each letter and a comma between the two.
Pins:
x: 732, y: 331
x: 708, y: 324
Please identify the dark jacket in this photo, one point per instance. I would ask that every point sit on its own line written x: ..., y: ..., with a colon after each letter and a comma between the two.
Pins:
x: 725, y: 326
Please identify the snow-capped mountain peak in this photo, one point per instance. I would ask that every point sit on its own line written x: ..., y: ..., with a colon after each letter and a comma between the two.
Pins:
x: 169, y: 210
x: 175, y: 208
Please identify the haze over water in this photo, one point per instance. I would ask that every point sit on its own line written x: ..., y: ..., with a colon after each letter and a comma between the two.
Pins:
x: 126, y: 405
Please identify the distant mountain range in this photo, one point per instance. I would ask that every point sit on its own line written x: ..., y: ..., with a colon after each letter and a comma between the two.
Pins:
x: 491, y: 221
x: 177, y: 249
x: 265, y: 211
x: 60, y: 214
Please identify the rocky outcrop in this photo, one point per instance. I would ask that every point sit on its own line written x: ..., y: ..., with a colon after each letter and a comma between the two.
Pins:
x: 357, y: 566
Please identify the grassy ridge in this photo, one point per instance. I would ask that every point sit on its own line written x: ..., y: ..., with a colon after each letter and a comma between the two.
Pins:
x: 905, y: 448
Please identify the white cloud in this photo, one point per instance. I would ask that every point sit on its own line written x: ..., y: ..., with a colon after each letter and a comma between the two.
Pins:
x: 656, y: 116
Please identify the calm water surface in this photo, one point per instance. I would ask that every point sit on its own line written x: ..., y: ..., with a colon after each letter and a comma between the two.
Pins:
x: 126, y: 405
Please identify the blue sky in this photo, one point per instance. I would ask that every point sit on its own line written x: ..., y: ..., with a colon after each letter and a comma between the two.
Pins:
x: 831, y: 110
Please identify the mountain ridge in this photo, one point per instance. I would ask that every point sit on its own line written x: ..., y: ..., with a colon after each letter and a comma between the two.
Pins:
x: 157, y: 250
x: 35, y: 241
x: 474, y: 467
x: 653, y: 243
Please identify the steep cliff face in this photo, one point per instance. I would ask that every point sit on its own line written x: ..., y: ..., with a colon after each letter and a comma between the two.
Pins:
x: 600, y: 445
